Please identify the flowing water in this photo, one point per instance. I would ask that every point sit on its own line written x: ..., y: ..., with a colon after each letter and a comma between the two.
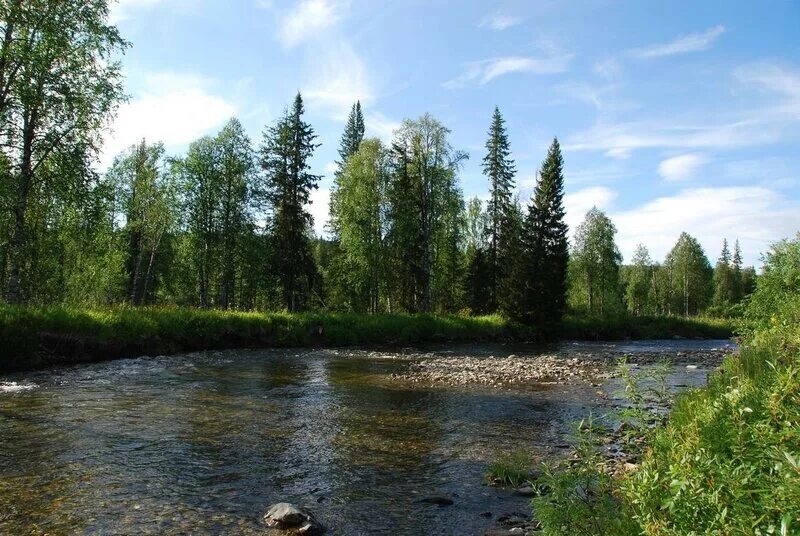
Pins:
x: 203, y: 443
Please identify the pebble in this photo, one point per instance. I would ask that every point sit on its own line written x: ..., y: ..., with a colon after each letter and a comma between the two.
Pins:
x: 556, y: 368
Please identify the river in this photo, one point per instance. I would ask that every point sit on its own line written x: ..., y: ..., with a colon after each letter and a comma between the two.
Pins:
x: 202, y: 443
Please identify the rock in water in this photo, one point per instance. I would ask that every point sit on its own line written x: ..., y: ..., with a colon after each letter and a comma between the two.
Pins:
x: 289, y: 517
x: 441, y: 501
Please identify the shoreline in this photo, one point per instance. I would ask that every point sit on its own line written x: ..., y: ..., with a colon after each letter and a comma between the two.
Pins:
x: 42, y: 337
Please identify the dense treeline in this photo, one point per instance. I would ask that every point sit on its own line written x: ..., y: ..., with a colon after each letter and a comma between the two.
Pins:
x: 226, y: 225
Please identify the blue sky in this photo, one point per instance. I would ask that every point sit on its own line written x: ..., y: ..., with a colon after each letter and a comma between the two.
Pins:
x: 672, y: 115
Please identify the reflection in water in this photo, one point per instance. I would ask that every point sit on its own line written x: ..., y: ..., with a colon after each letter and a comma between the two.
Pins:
x: 202, y: 443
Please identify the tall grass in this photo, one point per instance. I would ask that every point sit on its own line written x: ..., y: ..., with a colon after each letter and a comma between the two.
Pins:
x: 37, y: 336
x: 727, y: 461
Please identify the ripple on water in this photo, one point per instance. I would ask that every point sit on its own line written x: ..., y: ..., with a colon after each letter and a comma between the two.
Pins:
x: 14, y: 387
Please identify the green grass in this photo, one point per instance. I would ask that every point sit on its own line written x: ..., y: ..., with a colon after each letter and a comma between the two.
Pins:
x: 727, y: 459
x: 646, y: 327
x: 39, y: 336
x: 512, y: 469
x: 33, y: 337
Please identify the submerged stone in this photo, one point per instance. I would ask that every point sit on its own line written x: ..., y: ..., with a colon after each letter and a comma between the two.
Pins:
x: 289, y: 517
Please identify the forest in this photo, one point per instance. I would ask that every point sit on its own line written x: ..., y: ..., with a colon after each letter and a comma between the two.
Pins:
x: 226, y: 225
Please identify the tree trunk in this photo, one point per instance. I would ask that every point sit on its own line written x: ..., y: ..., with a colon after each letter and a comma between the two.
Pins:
x: 18, y: 239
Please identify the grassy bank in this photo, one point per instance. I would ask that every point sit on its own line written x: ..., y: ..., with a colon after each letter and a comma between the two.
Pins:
x: 726, y: 460
x: 41, y: 336
x: 645, y: 327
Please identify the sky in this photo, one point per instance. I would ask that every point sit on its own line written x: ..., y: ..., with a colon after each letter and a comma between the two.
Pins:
x: 672, y: 116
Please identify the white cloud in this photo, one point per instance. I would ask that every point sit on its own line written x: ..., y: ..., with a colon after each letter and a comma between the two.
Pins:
x: 756, y: 216
x: 339, y: 80
x: 380, y: 126
x: 620, y: 139
x: 319, y: 207
x: 773, y: 79
x: 330, y: 168
x: 175, y: 109
x: 577, y: 204
x: 483, y: 72
x: 307, y: 19
x: 681, y: 167
x: 499, y: 21
x: 686, y: 43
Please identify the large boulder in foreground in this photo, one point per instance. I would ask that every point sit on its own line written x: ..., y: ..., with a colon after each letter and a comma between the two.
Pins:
x: 294, y: 520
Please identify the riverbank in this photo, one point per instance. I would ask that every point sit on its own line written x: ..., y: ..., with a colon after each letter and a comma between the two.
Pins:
x: 725, y: 459
x: 38, y: 337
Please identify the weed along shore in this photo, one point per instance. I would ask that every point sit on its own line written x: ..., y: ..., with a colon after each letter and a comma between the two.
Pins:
x: 36, y: 337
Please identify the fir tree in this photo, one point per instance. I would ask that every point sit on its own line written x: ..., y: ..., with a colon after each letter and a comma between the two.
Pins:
x: 285, y: 153
x: 352, y: 137
x: 545, y: 241
x: 724, y: 279
x: 738, y: 287
x: 499, y: 169
x: 476, y: 282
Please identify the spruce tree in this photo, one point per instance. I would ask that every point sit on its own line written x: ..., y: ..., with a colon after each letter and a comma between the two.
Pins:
x: 499, y: 169
x: 738, y: 286
x: 476, y: 282
x: 352, y: 137
x: 285, y: 153
x: 545, y: 243
x: 724, y: 283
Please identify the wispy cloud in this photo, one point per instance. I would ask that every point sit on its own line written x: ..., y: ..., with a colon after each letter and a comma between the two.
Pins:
x: 339, y: 79
x: 500, y: 21
x: 483, y: 72
x: 773, y: 80
x: 681, y: 167
x: 766, y: 121
x: 174, y: 108
x: 381, y: 126
x: 694, y: 42
x: 307, y: 18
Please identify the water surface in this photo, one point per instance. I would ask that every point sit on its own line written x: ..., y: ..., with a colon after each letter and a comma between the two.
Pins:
x: 203, y: 443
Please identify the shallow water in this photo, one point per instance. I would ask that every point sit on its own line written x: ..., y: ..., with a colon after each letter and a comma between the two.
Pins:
x: 203, y: 443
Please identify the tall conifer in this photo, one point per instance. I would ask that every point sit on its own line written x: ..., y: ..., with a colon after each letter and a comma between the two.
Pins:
x: 545, y: 241
x: 285, y: 153
x: 499, y: 169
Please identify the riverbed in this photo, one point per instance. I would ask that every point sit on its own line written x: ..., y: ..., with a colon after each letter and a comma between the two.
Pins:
x: 203, y: 443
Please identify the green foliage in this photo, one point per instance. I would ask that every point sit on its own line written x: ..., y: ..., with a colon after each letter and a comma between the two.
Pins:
x: 352, y: 137
x: 689, y: 277
x: 285, y: 154
x: 148, y: 204
x: 594, y: 266
x: 578, y: 497
x: 640, y: 278
x: 512, y: 469
x: 545, y: 250
x: 426, y: 223
x: 358, y: 210
x: 727, y: 459
x: 499, y: 168
x: 37, y: 336
x: 61, y: 83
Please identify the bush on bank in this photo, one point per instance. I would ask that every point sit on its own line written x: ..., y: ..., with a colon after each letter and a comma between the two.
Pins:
x: 727, y: 461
